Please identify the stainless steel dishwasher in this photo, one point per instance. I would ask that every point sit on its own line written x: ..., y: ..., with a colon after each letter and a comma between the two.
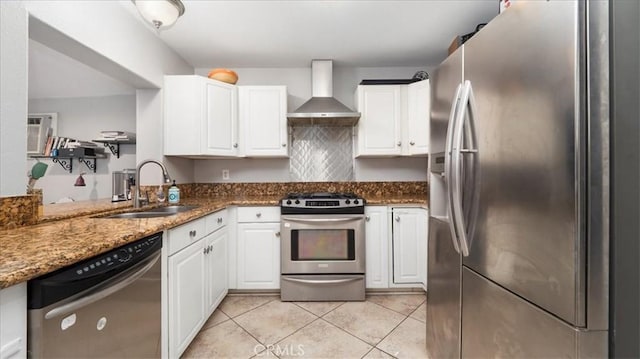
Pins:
x: 106, y: 306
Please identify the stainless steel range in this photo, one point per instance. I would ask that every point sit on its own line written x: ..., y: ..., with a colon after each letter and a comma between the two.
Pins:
x: 322, y: 247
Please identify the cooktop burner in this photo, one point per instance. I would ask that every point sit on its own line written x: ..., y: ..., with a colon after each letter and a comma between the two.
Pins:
x: 322, y: 203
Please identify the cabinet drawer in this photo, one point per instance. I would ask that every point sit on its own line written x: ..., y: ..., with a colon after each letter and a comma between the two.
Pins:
x: 258, y: 214
x: 182, y: 236
x: 216, y: 220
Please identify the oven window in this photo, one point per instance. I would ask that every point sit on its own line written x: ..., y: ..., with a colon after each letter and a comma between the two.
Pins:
x: 322, y: 244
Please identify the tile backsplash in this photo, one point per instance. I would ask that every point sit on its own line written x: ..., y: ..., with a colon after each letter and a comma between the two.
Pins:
x: 321, y: 153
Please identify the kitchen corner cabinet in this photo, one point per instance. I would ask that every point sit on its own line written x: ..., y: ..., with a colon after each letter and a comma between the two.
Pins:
x: 258, y: 248
x: 263, y: 121
x: 377, y: 247
x: 197, y: 277
x: 13, y: 321
x: 394, y: 120
x: 409, y: 243
x: 200, y: 117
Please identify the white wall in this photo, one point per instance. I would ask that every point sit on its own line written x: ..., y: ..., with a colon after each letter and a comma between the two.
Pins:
x: 83, y: 119
x: 101, y: 34
x: 13, y: 98
x: 298, y: 82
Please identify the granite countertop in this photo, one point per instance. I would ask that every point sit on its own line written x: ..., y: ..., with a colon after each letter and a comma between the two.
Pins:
x: 68, y: 234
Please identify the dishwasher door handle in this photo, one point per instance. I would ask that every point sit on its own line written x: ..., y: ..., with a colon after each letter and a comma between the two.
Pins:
x: 107, y: 288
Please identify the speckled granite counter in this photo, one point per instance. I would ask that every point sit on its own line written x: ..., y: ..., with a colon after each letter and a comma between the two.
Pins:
x: 31, y: 251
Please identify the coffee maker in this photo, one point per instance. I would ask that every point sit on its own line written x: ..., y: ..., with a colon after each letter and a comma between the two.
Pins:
x: 121, y: 183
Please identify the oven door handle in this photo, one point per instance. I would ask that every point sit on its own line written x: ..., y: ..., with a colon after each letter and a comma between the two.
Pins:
x: 321, y: 220
x: 321, y: 281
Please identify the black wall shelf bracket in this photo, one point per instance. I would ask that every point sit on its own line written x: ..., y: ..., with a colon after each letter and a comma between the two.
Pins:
x: 89, y: 162
x: 114, y: 148
x: 63, y: 162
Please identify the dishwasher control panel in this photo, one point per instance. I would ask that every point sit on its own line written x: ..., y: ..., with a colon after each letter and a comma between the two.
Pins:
x: 91, y: 272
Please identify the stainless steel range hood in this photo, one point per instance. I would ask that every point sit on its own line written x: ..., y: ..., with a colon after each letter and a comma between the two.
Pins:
x: 322, y: 108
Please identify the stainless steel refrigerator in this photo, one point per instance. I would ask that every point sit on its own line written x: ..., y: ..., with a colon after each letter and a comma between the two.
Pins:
x: 518, y: 236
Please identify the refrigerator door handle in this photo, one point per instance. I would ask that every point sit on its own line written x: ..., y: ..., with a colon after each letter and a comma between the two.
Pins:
x: 465, y: 130
x: 448, y: 167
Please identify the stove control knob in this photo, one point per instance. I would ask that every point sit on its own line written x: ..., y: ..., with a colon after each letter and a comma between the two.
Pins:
x: 297, y: 201
x: 288, y: 201
x: 355, y: 201
x: 347, y: 201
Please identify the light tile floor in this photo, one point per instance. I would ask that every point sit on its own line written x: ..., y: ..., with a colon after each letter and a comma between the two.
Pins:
x: 246, y: 326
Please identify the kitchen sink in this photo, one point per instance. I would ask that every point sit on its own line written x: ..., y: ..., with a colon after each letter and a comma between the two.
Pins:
x: 172, y: 209
x: 152, y: 213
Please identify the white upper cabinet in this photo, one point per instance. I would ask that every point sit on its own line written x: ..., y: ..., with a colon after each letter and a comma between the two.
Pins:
x: 416, y: 129
x: 394, y: 121
x: 379, y: 131
x: 263, y: 121
x: 200, y: 117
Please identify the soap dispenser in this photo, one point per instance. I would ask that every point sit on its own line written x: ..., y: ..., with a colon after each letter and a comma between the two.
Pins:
x: 174, y: 193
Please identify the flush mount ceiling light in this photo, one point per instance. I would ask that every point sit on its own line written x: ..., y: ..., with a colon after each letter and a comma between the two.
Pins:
x: 160, y: 13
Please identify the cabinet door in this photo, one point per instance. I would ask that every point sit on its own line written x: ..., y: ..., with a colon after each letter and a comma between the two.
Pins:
x: 183, y: 98
x: 13, y: 326
x: 186, y: 296
x: 216, y: 257
x: 416, y: 138
x: 379, y: 127
x: 263, y: 121
x: 377, y: 247
x: 259, y: 256
x: 409, y: 245
x: 219, y: 127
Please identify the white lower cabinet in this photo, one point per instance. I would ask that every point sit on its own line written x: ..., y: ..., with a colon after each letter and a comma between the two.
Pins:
x: 377, y: 247
x: 197, y: 277
x: 409, y: 241
x: 186, y: 297
x: 258, y: 248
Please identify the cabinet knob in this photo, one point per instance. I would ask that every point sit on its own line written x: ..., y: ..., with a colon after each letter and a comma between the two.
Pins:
x: 210, y: 247
x: 258, y: 214
x: 397, y: 218
x: 284, y: 145
x: 235, y: 145
x: 204, y: 250
x: 277, y: 234
x: 219, y: 220
x: 367, y: 218
x: 192, y: 233
x: 399, y: 143
x: 412, y: 143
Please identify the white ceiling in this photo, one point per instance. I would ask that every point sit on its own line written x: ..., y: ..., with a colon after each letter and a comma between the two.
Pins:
x: 286, y: 33
x: 361, y: 33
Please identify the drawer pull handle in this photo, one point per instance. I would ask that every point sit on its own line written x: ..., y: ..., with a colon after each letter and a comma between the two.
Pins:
x: 258, y: 214
x: 192, y: 233
x: 219, y: 220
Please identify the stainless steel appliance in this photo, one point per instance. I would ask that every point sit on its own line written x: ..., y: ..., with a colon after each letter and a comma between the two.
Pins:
x: 104, y: 307
x: 121, y: 182
x: 518, y: 237
x: 322, y: 247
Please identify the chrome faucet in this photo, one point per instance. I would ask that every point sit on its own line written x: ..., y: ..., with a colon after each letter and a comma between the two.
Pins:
x: 165, y: 174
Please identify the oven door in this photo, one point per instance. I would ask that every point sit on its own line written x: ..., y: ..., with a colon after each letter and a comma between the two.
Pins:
x: 322, y: 244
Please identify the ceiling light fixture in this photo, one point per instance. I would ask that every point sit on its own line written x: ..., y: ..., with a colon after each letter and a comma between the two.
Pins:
x: 160, y: 13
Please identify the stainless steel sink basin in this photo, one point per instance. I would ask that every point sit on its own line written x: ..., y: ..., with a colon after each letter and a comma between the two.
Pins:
x: 172, y: 209
x: 153, y: 212
x: 133, y: 215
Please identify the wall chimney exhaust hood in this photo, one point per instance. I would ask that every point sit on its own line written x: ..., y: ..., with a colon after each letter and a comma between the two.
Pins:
x: 322, y: 108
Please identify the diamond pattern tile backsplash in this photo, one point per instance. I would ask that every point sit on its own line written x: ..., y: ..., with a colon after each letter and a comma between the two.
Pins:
x: 321, y: 153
